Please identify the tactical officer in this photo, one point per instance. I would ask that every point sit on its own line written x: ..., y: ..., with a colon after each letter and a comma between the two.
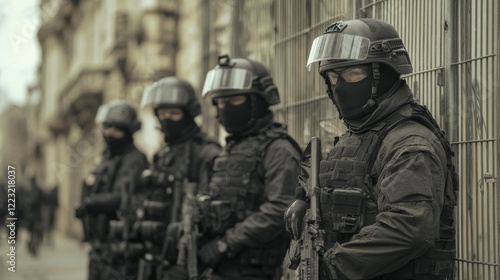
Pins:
x: 252, y: 181
x: 103, y: 192
x: 387, y: 188
x: 181, y: 163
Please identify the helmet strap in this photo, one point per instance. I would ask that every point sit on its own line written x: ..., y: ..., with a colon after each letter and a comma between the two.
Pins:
x: 253, y: 114
x: 372, y: 103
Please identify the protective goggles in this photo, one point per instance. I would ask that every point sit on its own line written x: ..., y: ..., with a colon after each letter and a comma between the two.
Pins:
x: 338, y: 46
x: 350, y: 75
x: 227, y: 79
x: 156, y: 95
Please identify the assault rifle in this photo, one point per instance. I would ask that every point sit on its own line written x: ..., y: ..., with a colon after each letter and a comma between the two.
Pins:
x: 124, y: 232
x: 307, y: 246
x: 188, y: 253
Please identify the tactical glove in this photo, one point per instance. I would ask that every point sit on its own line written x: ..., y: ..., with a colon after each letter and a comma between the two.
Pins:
x: 294, y: 214
x: 294, y: 218
x: 212, y: 252
x: 81, y: 210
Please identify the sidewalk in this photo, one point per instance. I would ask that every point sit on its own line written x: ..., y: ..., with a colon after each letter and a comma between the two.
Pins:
x: 65, y: 260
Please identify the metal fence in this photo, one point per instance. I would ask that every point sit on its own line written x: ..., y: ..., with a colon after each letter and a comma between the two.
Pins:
x: 454, y: 49
x: 453, y: 45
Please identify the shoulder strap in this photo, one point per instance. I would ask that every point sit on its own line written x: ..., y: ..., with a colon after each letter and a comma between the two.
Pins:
x: 278, y: 131
x: 423, y: 116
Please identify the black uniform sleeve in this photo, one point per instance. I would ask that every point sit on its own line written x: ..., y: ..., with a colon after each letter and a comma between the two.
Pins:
x: 204, y: 159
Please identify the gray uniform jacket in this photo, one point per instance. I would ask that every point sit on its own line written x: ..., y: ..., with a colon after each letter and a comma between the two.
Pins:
x: 411, y: 170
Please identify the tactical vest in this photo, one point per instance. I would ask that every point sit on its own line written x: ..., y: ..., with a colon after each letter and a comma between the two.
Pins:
x: 348, y: 201
x: 105, y: 176
x: 237, y: 190
x: 172, y: 165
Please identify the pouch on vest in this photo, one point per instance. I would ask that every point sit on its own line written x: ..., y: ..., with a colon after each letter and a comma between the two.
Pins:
x: 348, y: 214
x: 221, y: 217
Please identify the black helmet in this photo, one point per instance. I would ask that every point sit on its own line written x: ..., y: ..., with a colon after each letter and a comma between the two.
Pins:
x: 172, y: 92
x: 360, y: 41
x: 120, y: 114
x: 240, y: 76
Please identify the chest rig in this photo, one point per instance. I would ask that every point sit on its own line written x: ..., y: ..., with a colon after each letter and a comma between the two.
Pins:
x: 105, y: 175
x: 172, y: 164
x: 345, y: 183
x: 348, y: 200
x: 237, y: 183
x: 96, y: 226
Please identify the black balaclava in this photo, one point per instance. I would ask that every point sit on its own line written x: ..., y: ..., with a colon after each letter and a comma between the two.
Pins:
x: 350, y: 98
x: 117, y: 146
x: 388, y: 77
x: 240, y: 118
x: 175, y: 130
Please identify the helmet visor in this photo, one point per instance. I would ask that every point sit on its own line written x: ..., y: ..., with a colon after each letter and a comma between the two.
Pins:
x: 227, y: 78
x: 338, y: 46
x: 158, y: 95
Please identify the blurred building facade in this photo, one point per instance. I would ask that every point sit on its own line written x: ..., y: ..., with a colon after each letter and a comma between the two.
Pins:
x: 95, y: 51
x: 13, y: 141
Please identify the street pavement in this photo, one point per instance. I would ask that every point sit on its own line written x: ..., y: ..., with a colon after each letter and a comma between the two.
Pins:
x: 66, y: 259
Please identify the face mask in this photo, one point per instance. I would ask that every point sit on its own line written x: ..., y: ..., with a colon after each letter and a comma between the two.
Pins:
x: 351, y: 97
x: 173, y: 130
x: 235, y: 119
x: 117, y: 145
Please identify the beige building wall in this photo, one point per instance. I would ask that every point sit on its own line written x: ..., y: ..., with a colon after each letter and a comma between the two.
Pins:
x: 13, y: 142
x: 94, y: 52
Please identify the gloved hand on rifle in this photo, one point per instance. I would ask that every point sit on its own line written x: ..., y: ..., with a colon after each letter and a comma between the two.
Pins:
x: 294, y: 214
x: 81, y: 209
x: 212, y: 252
